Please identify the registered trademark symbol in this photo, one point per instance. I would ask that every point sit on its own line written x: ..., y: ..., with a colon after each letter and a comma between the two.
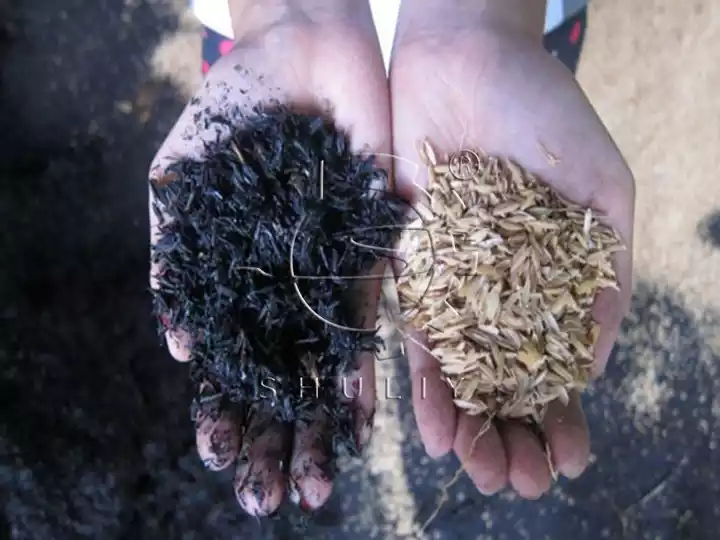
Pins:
x: 464, y: 164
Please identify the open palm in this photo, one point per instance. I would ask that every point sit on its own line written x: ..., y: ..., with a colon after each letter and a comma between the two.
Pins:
x: 309, y: 63
x: 462, y: 86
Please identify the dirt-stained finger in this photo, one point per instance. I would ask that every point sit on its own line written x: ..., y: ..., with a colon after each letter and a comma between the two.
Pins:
x: 217, y: 429
x: 218, y: 441
x: 310, y: 483
x: 259, y: 483
x: 178, y: 343
x: 359, y: 386
x: 358, y: 389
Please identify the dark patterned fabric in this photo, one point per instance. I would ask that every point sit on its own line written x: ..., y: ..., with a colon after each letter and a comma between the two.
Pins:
x: 214, y: 46
x: 565, y: 42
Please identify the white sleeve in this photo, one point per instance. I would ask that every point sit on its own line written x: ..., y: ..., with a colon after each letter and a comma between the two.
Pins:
x: 215, y: 15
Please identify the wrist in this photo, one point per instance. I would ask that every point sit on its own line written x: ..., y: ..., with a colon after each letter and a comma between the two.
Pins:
x: 521, y: 17
x: 257, y: 16
x: 496, y: 18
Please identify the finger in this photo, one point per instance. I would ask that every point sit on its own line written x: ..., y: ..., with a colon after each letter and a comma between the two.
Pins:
x: 178, y: 341
x: 310, y: 483
x: 611, y: 306
x: 217, y: 436
x: 217, y: 430
x: 367, y: 120
x: 359, y: 386
x: 432, y: 398
x: 608, y: 312
x: 482, y: 456
x: 359, y: 390
x: 567, y: 434
x: 259, y: 484
x: 178, y: 344
x: 528, y: 469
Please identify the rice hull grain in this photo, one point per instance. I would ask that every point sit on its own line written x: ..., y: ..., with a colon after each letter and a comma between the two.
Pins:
x: 502, y: 274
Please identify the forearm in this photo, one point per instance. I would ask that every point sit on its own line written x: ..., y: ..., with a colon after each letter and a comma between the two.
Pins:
x: 249, y: 16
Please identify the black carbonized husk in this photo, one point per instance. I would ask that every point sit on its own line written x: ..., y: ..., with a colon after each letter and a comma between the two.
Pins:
x: 229, y: 224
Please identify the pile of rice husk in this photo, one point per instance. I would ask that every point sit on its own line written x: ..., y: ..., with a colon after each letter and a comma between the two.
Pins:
x: 501, y: 275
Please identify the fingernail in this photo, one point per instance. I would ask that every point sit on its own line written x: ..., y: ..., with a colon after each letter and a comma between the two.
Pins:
x: 206, y: 388
x: 304, y: 505
x: 294, y: 491
x: 296, y: 496
x: 571, y: 470
x: 249, y: 504
x: 252, y: 500
x: 492, y: 484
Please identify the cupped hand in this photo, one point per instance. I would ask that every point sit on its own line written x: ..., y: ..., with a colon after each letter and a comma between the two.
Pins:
x: 474, y: 78
x: 308, y: 56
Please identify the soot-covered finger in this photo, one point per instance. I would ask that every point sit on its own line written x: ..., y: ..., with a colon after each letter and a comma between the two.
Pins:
x: 310, y: 482
x: 178, y: 341
x: 358, y: 390
x: 259, y: 483
x: 217, y: 430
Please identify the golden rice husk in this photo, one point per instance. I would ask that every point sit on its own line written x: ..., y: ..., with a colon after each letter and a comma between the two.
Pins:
x: 501, y: 275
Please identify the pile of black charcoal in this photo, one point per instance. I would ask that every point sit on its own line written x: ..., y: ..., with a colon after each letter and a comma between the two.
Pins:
x: 263, y: 246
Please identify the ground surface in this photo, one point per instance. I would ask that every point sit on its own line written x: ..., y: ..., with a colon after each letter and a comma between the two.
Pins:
x: 94, y: 433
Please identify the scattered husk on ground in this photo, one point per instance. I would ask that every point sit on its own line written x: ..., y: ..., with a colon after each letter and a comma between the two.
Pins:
x: 501, y: 275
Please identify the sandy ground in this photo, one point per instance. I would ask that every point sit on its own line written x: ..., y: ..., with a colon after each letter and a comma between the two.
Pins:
x: 92, y: 90
x: 649, y: 70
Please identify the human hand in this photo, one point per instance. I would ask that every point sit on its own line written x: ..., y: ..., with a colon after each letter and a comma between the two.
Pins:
x: 307, y: 54
x: 474, y: 75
